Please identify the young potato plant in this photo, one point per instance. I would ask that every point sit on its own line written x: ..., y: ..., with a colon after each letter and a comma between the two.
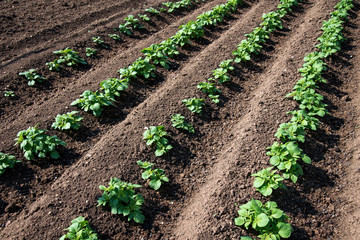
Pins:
x: 179, y: 39
x: 32, y: 76
x: 267, y: 180
x: 34, y: 142
x: 194, y: 104
x: 125, y: 29
x: 271, y: 21
x: 127, y: 74
x: 168, y: 48
x: 155, y: 53
x: 91, y: 52
x: 113, y: 86
x: 221, y: 75
x: 79, y: 230
x: 55, y: 65
x: 144, y: 17
x: 7, y: 161
x: 303, y: 118
x: 70, y: 57
x: 99, y: 42
x: 291, y: 131
x: 155, y: 136
x: 178, y: 121
x: 8, y: 93
x: 115, y: 37
x: 193, y: 30
x: 121, y: 198
x: 267, y: 219
x: 285, y: 157
x: 67, y: 121
x: 94, y: 101
x: 156, y: 176
x: 142, y: 67
x: 285, y: 7
x: 152, y: 11
x: 210, y: 90
x: 130, y: 20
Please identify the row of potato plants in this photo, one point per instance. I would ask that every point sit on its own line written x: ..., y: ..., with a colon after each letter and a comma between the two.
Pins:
x: 121, y: 196
x: 69, y: 57
x: 286, y: 154
x: 270, y: 218
x: 155, y: 136
x: 34, y: 142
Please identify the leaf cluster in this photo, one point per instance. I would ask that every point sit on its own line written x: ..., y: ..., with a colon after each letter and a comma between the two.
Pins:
x: 79, y: 230
x: 121, y: 198
x: 90, y: 52
x: 155, y: 136
x: 67, y: 121
x: 7, y: 161
x: 34, y: 142
x: 156, y: 176
x: 195, y: 105
x: 267, y: 219
x: 178, y: 121
x: 70, y: 57
x: 32, y: 76
x: 210, y: 89
x: 285, y: 157
x: 113, y: 86
x: 267, y: 180
x: 93, y: 101
x: 99, y: 42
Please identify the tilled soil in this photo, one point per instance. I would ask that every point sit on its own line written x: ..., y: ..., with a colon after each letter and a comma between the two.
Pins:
x: 209, y: 171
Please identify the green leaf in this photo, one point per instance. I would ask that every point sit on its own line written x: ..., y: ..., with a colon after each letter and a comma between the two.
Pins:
x: 54, y: 154
x: 258, y: 182
x: 285, y: 230
x: 139, y: 218
x: 262, y: 220
x: 155, y: 184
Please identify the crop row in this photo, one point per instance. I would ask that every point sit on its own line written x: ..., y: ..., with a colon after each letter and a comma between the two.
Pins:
x: 267, y: 219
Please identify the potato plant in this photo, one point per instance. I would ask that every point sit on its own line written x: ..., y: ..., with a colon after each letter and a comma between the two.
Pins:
x: 152, y: 11
x: 133, y: 22
x: 70, y: 57
x: 195, y: 105
x: 91, y: 52
x: 156, y: 176
x: 178, y: 121
x: 113, y: 86
x: 99, y: 42
x: 210, y: 89
x: 121, y: 198
x: 291, y: 131
x: 93, y: 101
x: 267, y: 180
x: 144, y: 17
x: 55, y: 65
x: 67, y: 121
x: 155, y: 136
x: 285, y: 157
x: 79, y: 230
x: 34, y: 142
x: 7, y: 161
x: 8, y: 93
x: 125, y: 29
x: 267, y: 219
x: 32, y: 76
x: 115, y: 37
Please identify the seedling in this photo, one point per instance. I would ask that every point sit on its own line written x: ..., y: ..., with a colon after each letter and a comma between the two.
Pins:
x: 194, y: 104
x: 94, y: 101
x: 67, y: 121
x: 152, y: 11
x: 267, y: 180
x: 178, y: 121
x: 79, y: 230
x: 91, y: 52
x: 133, y: 22
x: 155, y: 53
x: 70, y: 57
x: 113, y: 86
x: 155, y: 136
x: 115, y: 37
x: 125, y: 29
x: 291, y: 131
x: 285, y: 156
x: 142, y: 67
x: 144, y: 17
x: 210, y: 90
x: 221, y: 75
x: 99, y: 42
x: 156, y: 176
x: 7, y: 161
x: 9, y: 93
x: 266, y: 219
x: 34, y: 142
x: 121, y: 198
x: 55, y: 65
x: 32, y: 76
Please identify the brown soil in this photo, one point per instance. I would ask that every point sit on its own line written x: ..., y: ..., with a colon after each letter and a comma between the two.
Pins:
x: 210, y: 170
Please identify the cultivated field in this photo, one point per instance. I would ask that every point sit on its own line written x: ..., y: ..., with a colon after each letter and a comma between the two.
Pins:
x: 210, y: 170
